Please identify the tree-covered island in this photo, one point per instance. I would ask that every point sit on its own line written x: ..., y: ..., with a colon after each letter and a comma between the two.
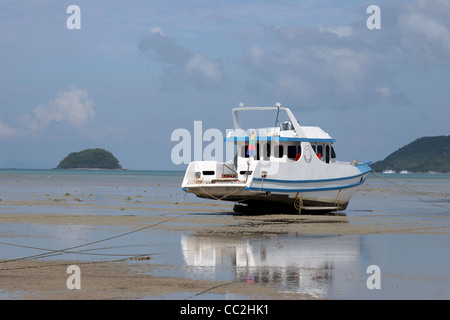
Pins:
x: 90, y: 159
x: 422, y: 155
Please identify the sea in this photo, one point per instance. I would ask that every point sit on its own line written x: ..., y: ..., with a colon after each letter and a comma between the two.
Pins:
x: 411, y: 261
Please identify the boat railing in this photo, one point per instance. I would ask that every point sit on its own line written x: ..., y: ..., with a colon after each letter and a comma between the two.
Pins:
x: 212, y: 172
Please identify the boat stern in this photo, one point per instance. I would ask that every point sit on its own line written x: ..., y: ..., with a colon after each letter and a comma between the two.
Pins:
x: 218, y: 180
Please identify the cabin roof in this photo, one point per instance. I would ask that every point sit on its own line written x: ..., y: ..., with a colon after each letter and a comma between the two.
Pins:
x: 316, y: 133
x: 292, y: 131
x: 311, y: 134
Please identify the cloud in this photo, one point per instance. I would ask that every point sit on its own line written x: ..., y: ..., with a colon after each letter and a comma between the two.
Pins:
x: 164, y: 49
x: 310, y: 66
x: 384, y: 91
x: 70, y: 109
x: 70, y: 113
x: 349, y: 65
x: 342, y: 31
x: 423, y: 37
x: 73, y: 107
x: 157, y: 30
x: 6, y: 131
x: 255, y: 57
x: 179, y: 64
x: 204, y: 69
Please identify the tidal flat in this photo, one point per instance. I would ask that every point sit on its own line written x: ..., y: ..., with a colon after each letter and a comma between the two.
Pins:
x: 135, y: 235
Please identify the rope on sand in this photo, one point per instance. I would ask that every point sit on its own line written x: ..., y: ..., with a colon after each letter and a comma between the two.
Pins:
x: 68, y: 250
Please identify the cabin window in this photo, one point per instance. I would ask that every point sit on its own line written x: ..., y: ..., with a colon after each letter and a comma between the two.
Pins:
x: 314, y: 148
x: 257, y: 151
x: 266, y: 151
x: 246, y: 151
x: 333, y: 153
x: 299, y: 152
x: 319, y: 151
x: 291, y: 152
x: 278, y: 151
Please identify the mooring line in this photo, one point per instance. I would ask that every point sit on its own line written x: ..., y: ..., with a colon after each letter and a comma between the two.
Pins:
x: 212, y: 288
x: 66, y: 250
x: 60, y: 251
x: 413, y: 192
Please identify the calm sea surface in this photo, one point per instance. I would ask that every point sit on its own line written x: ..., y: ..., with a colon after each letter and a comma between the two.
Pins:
x: 413, y: 265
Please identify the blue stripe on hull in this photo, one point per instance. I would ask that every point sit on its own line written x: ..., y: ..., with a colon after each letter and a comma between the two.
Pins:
x: 363, y: 168
x: 313, y: 189
x: 268, y: 138
x: 308, y: 181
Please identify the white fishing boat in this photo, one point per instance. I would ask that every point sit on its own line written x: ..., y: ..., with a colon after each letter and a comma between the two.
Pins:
x: 284, y: 167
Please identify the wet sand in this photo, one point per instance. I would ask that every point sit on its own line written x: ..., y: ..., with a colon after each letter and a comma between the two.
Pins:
x: 220, y: 220
x: 45, y: 280
x: 138, y: 278
x: 37, y: 279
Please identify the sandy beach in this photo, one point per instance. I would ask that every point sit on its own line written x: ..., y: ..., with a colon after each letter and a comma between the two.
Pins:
x: 27, y: 272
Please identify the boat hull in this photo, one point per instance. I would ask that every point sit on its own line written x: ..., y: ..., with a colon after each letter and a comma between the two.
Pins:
x: 260, y: 194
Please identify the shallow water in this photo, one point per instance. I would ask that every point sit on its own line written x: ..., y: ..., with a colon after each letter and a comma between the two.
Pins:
x: 414, y: 264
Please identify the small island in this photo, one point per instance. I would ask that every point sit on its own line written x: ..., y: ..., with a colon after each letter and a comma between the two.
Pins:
x: 90, y: 159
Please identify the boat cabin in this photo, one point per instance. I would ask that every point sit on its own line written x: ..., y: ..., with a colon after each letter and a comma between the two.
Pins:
x: 282, y: 144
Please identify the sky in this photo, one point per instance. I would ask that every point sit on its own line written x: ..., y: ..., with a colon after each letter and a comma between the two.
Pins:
x: 136, y: 71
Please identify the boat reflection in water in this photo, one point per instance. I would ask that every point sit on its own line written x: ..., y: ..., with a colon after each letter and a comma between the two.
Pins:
x: 306, y: 264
